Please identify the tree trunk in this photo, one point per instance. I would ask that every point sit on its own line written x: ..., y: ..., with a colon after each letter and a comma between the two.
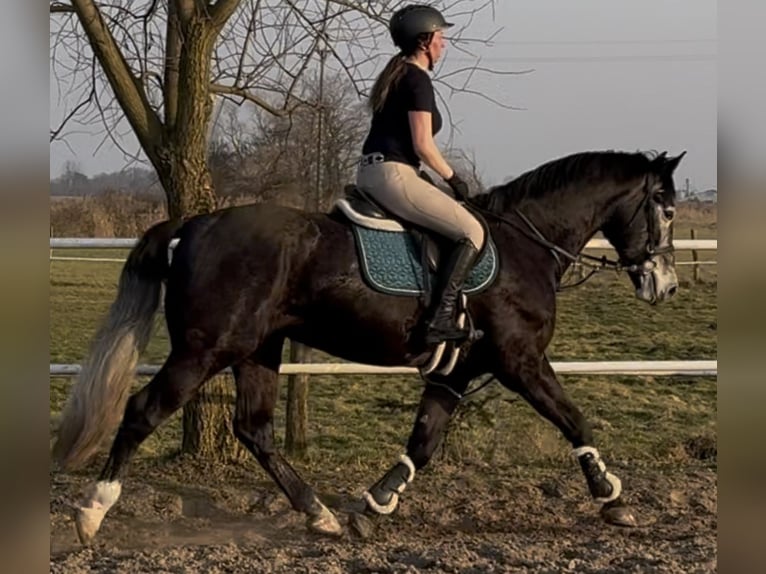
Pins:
x: 189, y: 186
x: 207, y: 431
x: 185, y: 175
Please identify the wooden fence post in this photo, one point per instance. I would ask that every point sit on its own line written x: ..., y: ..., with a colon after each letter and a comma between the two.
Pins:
x: 297, y: 400
x: 695, y: 258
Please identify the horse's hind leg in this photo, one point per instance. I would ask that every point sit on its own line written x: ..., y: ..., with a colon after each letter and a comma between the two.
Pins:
x: 174, y: 385
x: 257, y: 379
x: 436, y: 407
x: 538, y: 384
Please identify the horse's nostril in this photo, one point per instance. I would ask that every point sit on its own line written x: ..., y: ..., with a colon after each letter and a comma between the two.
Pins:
x: 672, y: 291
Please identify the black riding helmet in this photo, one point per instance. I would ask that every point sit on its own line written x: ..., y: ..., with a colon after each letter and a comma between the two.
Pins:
x: 408, y: 23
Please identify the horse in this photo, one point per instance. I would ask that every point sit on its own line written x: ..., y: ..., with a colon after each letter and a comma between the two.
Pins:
x: 243, y: 279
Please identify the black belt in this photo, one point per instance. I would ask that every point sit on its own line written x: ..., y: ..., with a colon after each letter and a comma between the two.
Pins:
x: 371, y: 158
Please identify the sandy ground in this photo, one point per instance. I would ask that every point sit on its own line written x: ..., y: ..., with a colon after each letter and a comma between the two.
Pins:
x: 464, y: 520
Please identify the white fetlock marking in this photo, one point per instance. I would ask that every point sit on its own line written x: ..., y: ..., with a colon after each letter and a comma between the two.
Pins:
x: 107, y: 493
x: 103, y: 496
x: 615, y: 482
x: 90, y: 515
x: 378, y: 508
x: 407, y: 461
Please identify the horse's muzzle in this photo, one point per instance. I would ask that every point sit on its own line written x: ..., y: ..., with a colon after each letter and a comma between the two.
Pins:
x: 659, y: 282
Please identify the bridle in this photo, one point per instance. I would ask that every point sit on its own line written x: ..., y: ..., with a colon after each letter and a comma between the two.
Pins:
x: 595, y: 264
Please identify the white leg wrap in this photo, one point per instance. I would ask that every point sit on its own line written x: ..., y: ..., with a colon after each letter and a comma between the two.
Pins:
x: 394, y: 502
x: 616, y: 489
x: 89, y: 516
x: 378, y: 508
x: 407, y: 461
x: 611, y: 479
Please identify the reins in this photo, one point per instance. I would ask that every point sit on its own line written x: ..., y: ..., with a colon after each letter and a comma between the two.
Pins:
x: 595, y: 264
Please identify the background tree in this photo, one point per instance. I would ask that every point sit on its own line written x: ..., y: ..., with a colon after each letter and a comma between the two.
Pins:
x: 266, y: 157
x: 156, y: 67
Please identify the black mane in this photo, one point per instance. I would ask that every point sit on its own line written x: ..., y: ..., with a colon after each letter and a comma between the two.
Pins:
x: 568, y: 172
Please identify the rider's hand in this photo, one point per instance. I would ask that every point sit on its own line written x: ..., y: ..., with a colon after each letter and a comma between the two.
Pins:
x: 460, y: 187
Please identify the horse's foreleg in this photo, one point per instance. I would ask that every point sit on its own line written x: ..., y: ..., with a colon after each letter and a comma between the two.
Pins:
x: 173, y: 386
x: 538, y: 384
x: 436, y: 407
x: 257, y: 391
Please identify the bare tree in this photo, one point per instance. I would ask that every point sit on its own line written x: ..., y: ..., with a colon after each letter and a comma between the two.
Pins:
x: 265, y: 157
x: 155, y: 68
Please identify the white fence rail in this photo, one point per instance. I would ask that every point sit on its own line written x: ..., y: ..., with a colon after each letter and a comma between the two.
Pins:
x: 643, y: 368
x: 128, y: 242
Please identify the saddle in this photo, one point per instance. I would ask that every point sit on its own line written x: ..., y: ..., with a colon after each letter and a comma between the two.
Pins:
x: 364, y: 211
x: 391, y: 249
x: 399, y: 258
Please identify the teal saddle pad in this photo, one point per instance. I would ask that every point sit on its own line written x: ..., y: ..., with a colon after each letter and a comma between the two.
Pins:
x: 391, y: 263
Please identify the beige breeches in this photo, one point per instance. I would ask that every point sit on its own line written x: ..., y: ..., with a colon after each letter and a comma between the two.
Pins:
x: 398, y: 188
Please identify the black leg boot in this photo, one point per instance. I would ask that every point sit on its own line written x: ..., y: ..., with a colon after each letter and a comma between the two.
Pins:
x: 443, y: 325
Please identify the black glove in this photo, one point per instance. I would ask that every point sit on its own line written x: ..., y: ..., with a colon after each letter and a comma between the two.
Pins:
x: 459, y: 187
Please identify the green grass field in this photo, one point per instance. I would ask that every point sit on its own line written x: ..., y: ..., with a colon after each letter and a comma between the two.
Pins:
x: 357, y: 421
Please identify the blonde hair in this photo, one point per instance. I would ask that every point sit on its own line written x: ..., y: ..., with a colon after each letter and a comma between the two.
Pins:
x: 386, y: 80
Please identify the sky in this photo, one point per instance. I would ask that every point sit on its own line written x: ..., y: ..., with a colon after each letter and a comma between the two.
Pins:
x: 605, y: 74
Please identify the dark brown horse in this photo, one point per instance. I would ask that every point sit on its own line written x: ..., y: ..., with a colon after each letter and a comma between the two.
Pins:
x: 244, y: 279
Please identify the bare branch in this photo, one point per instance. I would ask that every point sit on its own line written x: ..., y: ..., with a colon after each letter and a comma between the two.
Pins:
x: 474, y: 69
x: 361, y: 9
x: 221, y: 11
x: 249, y: 96
x: 126, y: 88
x: 55, y: 133
x: 60, y: 7
x: 172, y: 66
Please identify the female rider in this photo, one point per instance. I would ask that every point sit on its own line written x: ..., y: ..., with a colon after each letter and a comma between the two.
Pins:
x: 404, y: 122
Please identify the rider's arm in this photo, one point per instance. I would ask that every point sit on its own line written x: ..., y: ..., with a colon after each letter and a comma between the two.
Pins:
x: 425, y: 146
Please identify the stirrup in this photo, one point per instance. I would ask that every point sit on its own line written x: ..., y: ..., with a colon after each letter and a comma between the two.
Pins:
x: 457, y: 335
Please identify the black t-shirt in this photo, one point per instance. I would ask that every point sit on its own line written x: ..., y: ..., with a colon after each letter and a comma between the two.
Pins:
x: 390, y: 131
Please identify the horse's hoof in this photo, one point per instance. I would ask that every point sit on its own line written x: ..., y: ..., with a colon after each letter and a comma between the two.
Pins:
x: 88, y: 521
x: 325, y: 523
x: 360, y: 525
x: 619, y: 516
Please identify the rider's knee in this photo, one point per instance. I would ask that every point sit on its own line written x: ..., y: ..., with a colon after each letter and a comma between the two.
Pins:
x: 475, y: 234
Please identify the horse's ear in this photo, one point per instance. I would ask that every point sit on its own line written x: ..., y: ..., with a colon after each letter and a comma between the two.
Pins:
x: 672, y: 163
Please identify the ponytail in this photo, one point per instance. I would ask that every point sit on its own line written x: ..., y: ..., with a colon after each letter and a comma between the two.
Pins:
x: 387, y: 79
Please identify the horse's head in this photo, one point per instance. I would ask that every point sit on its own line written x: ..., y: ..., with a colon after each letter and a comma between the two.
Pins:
x: 641, y: 231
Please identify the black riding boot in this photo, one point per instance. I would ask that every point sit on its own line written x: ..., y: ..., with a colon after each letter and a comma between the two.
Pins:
x: 443, y: 324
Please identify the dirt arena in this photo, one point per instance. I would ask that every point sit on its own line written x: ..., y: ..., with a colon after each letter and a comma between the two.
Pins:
x: 180, y: 518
